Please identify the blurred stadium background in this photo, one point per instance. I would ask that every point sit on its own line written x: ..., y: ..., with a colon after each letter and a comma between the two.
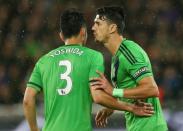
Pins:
x: 29, y: 29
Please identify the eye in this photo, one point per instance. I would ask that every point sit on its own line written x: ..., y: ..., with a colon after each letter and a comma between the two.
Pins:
x: 97, y: 23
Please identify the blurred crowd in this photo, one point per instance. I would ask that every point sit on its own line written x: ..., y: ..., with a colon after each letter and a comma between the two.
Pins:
x: 30, y: 28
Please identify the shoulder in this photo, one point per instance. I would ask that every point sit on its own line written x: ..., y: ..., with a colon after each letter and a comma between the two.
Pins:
x: 131, y: 52
x: 95, y: 57
x: 127, y: 52
x: 132, y: 46
x: 93, y: 52
x: 47, y: 56
x: 135, y: 48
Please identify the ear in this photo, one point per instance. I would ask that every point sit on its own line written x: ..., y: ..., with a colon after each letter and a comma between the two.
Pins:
x: 83, y: 35
x: 112, y: 28
x: 82, y: 31
x: 61, y: 36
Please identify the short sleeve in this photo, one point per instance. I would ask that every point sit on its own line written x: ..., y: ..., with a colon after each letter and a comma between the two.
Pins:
x: 139, y: 68
x: 35, y: 79
x: 97, y: 64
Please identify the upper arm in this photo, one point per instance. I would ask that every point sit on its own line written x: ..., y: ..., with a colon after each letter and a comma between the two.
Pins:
x: 30, y: 94
x: 34, y: 84
x: 93, y: 93
x: 150, y: 84
x: 147, y: 81
x: 139, y: 68
x: 35, y: 80
x: 97, y: 64
x: 141, y: 71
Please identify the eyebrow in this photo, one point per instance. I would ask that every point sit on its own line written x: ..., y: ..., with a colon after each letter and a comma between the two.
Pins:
x: 97, y: 22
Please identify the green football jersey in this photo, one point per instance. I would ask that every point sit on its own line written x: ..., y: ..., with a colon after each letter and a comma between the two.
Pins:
x: 130, y: 64
x: 63, y: 75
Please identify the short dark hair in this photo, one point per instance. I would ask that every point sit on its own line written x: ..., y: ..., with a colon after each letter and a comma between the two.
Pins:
x: 115, y: 14
x: 71, y: 22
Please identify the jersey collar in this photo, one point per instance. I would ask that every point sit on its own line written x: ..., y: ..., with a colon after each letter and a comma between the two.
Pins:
x: 124, y: 39
x: 74, y: 45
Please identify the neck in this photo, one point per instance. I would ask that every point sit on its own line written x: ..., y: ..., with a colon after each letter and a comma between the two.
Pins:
x: 113, y: 43
x: 73, y: 41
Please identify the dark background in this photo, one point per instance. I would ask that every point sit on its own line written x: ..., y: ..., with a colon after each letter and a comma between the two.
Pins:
x: 30, y: 28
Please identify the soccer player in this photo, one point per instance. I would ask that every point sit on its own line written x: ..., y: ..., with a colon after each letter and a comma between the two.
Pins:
x: 63, y: 75
x: 131, y: 72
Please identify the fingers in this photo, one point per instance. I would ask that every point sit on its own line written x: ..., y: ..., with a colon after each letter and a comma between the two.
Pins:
x: 101, y: 119
x: 145, y: 113
x: 99, y: 116
x: 95, y: 83
x: 101, y: 74
x: 149, y: 108
x: 97, y: 87
x: 146, y: 110
x: 148, y: 113
x: 145, y: 104
x: 101, y: 124
x: 95, y: 79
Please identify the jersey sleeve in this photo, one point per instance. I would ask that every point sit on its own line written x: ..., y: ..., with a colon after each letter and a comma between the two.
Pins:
x: 138, y: 68
x: 35, y: 79
x: 97, y: 64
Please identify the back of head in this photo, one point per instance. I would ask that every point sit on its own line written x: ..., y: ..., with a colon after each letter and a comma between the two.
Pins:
x: 71, y: 22
x: 113, y: 14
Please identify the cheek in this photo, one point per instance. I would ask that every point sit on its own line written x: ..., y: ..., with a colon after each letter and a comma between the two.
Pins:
x: 104, y: 32
x: 101, y: 32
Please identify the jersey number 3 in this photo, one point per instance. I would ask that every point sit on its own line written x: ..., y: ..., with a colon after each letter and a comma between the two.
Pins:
x: 65, y: 76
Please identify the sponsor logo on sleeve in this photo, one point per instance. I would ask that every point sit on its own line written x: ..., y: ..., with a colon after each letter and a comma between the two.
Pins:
x: 141, y: 71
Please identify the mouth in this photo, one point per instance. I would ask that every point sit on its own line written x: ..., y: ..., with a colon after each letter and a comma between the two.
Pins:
x: 94, y: 34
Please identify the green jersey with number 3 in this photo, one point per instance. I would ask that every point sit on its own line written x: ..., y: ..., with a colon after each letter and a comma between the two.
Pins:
x: 131, y: 64
x: 63, y: 75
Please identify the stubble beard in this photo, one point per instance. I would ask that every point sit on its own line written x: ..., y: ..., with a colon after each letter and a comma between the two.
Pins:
x: 99, y: 41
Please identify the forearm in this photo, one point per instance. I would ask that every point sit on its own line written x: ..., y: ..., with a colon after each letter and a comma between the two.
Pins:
x: 145, y: 88
x: 30, y: 114
x: 141, y: 92
x: 106, y: 100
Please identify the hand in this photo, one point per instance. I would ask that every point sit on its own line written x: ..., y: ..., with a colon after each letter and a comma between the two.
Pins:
x: 101, y: 118
x: 101, y: 83
x: 35, y: 129
x: 143, y: 109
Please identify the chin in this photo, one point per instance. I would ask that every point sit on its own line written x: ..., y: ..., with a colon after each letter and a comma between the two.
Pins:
x: 98, y: 41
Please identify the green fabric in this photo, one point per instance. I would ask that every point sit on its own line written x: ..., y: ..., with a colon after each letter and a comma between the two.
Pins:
x: 63, y: 75
x: 131, y: 64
